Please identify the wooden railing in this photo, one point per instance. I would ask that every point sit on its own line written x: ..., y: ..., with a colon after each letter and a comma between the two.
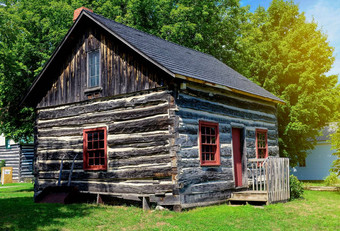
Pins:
x: 271, y: 175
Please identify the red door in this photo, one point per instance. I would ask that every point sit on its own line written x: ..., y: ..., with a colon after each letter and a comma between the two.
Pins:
x: 236, y: 136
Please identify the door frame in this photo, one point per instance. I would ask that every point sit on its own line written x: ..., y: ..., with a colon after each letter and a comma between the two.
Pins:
x: 241, y: 127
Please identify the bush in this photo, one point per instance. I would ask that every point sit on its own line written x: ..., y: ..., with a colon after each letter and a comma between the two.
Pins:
x: 2, y: 163
x: 296, y: 187
x: 332, y: 180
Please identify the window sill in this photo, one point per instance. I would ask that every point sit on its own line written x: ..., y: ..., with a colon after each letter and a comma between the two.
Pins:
x: 93, y: 90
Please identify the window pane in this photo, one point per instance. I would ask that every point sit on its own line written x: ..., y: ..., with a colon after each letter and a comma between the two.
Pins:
x: 95, y: 136
x: 95, y: 145
x: 90, y: 161
x: 101, y: 144
x: 212, y: 131
x: 101, y: 135
x: 89, y: 136
x: 89, y: 145
x: 207, y: 156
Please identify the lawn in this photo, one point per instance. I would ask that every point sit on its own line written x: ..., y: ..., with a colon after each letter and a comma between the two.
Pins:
x: 317, y: 211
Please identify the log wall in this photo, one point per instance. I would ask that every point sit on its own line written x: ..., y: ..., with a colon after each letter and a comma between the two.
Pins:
x: 121, y: 71
x: 139, y: 140
x: 20, y: 157
x: 204, y: 185
x: 12, y: 158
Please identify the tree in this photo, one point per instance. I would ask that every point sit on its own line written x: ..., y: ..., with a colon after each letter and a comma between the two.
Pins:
x: 335, y: 137
x: 290, y: 57
x: 30, y: 30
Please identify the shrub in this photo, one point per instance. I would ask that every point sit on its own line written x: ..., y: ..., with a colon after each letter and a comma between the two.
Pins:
x: 332, y: 179
x: 2, y: 163
x: 296, y: 187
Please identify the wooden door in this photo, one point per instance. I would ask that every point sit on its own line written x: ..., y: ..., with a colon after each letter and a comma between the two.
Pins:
x: 236, y: 137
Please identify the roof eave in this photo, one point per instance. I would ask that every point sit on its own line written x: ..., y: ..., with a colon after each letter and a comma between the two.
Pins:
x: 228, y: 89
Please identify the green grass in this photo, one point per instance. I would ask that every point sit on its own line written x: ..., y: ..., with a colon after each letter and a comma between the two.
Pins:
x: 317, y: 211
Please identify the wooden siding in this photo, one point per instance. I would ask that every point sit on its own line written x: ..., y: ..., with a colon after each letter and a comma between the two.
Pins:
x: 199, y: 184
x: 20, y: 157
x: 26, y: 161
x: 12, y: 158
x: 122, y: 71
x: 140, y: 134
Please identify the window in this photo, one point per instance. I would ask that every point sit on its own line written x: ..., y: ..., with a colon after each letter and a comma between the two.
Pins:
x: 95, y: 149
x: 7, y: 143
x: 93, y: 69
x: 261, y: 144
x: 209, y: 141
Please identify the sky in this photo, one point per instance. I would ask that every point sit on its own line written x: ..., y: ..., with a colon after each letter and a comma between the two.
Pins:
x: 325, y: 12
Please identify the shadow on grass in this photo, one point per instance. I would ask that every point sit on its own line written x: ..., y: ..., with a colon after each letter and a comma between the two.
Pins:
x: 21, y: 213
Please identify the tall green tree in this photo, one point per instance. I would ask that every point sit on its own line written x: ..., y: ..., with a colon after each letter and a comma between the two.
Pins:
x: 290, y: 57
x: 30, y: 30
x: 335, y: 138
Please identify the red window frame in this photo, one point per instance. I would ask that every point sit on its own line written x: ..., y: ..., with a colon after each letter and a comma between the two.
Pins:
x: 261, y: 143
x: 94, y: 149
x: 209, y: 143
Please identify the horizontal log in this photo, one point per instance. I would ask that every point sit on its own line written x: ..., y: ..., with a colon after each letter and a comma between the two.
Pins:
x: 89, y: 107
x: 231, y: 101
x: 56, y: 166
x: 145, y: 125
x: 105, y: 118
x: 142, y: 145
x: 138, y: 139
x: 135, y: 173
x: 115, y: 187
x: 205, y: 197
x: 139, y: 152
x: 57, y: 155
x: 191, y: 176
x: 60, y: 145
x: 186, y: 101
x: 166, y: 200
x: 209, y: 187
x: 196, y: 115
x: 140, y: 160
x: 69, y: 132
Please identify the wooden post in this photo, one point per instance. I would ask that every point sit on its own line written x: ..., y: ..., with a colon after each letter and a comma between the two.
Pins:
x: 146, y: 203
x: 99, y: 199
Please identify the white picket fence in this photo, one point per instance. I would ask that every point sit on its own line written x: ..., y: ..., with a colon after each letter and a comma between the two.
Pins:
x: 271, y: 175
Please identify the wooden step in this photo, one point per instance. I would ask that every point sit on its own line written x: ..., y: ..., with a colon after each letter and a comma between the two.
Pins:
x: 250, y: 197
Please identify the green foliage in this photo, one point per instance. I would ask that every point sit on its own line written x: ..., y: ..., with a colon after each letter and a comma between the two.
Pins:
x: 290, y: 57
x: 30, y: 30
x: 2, y: 163
x: 335, y: 137
x: 332, y: 180
x: 296, y: 187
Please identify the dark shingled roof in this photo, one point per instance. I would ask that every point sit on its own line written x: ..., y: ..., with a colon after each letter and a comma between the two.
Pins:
x: 183, y: 61
x: 176, y: 60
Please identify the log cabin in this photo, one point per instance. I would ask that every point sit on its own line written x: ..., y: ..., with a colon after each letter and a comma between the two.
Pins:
x: 146, y: 118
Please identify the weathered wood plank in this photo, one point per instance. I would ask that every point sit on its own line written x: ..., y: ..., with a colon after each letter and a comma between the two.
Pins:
x: 124, y: 154
x: 92, y: 186
x: 150, y: 124
x: 139, y: 101
x: 134, y: 173
x: 107, y: 117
